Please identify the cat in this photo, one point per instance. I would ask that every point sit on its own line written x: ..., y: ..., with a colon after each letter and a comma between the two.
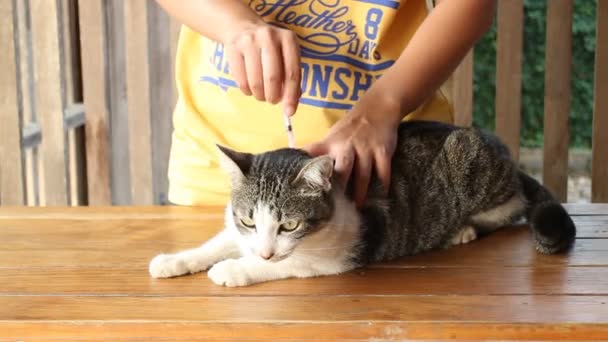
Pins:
x: 288, y: 216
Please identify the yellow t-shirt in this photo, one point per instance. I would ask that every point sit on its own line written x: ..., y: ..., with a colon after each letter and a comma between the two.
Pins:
x: 345, y: 46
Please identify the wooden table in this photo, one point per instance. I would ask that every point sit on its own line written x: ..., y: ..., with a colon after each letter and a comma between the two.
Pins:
x: 81, y: 273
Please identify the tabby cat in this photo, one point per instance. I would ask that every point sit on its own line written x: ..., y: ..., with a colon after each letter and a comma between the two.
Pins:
x: 289, y: 217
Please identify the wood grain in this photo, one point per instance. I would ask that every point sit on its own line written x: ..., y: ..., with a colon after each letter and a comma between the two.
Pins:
x: 462, y: 91
x: 50, y: 97
x: 276, y: 309
x: 100, y: 245
x: 586, y: 209
x: 12, y: 186
x: 558, y: 69
x: 136, y: 14
x: 95, y: 82
x: 81, y: 274
x: 121, y: 281
x: 31, y: 174
x: 119, y: 121
x: 161, y: 100
x: 303, y: 331
x: 509, y: 46
x: 599, y: 168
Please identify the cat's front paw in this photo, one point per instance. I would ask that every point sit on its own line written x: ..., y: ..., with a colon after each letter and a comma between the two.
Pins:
x: 229, y: 273
x: 167, y: 265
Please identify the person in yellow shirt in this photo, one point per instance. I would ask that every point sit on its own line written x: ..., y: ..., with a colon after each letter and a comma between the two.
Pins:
x: 347, y: 71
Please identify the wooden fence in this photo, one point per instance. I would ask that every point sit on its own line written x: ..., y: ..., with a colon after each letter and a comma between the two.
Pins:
x: 113, y: 60
x: 68, y: 57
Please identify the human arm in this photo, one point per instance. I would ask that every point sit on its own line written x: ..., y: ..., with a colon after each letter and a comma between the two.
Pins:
x: 366, y: 136
x: 263, y: 59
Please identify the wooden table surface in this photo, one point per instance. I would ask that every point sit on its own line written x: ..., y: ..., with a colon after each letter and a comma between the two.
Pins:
x: 81, y: 274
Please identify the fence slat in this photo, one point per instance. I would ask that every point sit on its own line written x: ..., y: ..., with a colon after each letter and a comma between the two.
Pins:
x: 73, y: 91
x: 138, y: 97
x: 174, y: 29
x: 462, y: 91
x: 11, y: 158
x: 28, y: 115
x: 558, y: 70
x: 508, y: 73
x: 599, y: 169
x: 49, y: 93
x: 94, y: 62
x: 161, y: 72
x: 119, y: 121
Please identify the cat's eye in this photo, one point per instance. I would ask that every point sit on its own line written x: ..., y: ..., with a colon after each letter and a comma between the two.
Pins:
x: 247, y: 222
x: 290, y: 225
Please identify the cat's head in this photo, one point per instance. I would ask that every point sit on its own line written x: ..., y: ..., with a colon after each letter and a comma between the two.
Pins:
x: 278, y: 198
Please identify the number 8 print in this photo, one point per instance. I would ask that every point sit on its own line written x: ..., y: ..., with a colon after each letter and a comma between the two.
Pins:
x: 374, y: 16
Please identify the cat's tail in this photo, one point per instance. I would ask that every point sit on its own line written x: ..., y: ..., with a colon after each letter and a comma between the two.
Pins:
x: 552, y: 227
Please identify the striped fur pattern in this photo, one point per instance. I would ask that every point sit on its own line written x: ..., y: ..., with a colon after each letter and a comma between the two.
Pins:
x: 288, y: 217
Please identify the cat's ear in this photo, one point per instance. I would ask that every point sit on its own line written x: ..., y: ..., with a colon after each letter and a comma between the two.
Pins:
x: 236, y: 164
x: 316, y: 174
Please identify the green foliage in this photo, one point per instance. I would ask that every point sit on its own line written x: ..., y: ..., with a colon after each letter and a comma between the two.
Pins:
x: 533, y: 74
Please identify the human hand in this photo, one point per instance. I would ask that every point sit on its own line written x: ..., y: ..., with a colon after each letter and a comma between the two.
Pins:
x: 364, y: 139
x: 265, y: 62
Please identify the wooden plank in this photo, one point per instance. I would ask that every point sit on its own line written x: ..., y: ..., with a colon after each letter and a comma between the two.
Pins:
x: 586, y: 208
x: 11, y: 169
x: 117, y: 70
x: 447, y: 309
x: 211, y: 215
x: 185, y: 228
x: 161, y: 66
x: 594, y: 227
x: 41, y: 179
x: 599, y: 167
x: 132, y: 244
x: 509, y: 47
x: 25, y: 61
x: 95, y: 83
x: 462, y: 91
x: 174, y: 32
x: 558, y: 70
x: 300, y: 331
x: 509, y: 247
x: 50, y: 97
x: 138, y: 94
x: 368, y: 282
x: 31, y: 181
x: 31, y: 173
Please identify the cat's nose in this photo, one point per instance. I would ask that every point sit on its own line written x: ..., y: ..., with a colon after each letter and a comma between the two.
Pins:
x: 266, y: 255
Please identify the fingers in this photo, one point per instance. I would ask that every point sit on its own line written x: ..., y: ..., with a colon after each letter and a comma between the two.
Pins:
x: 345, y: 160
x: 265, y: 63
x: 253, y: 69
x: 383, y: 168
x: 363, y: 171
x: 293, y: 75
x: 237, y: 69
x: 349, y: 161
x: 272, y: 70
